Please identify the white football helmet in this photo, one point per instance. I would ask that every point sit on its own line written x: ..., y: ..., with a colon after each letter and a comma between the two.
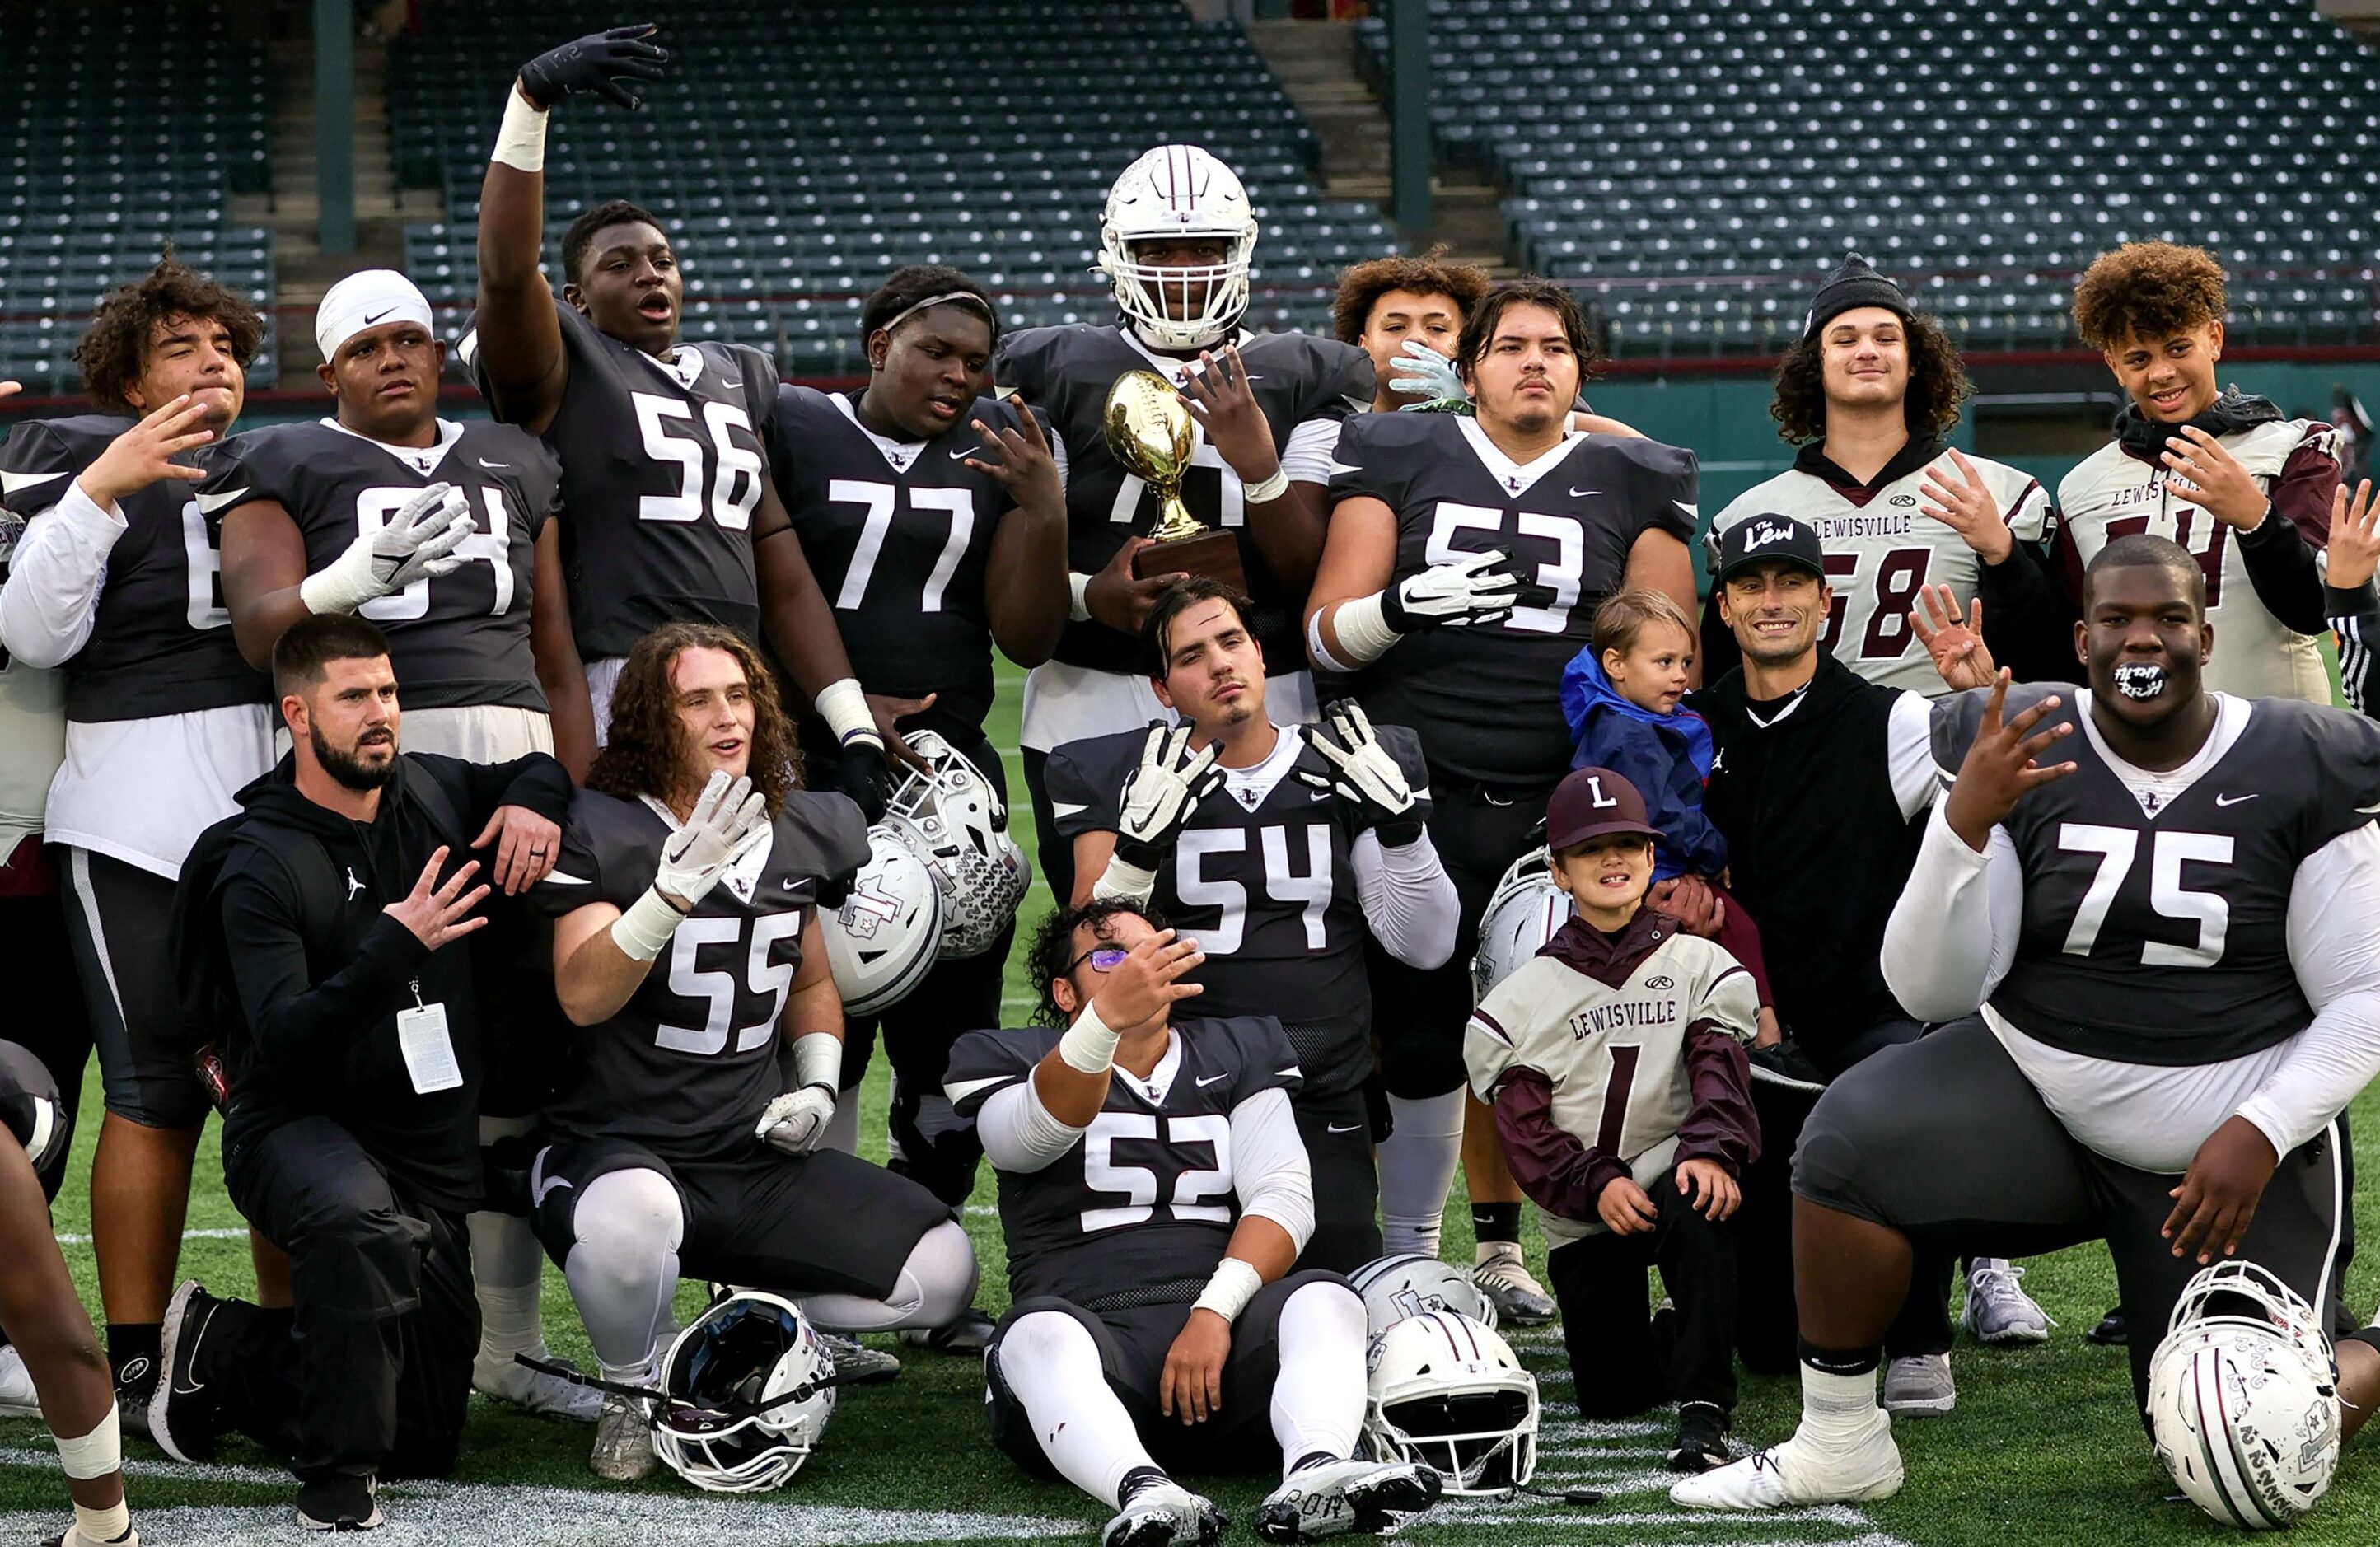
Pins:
x: 1178, y: 191
x: 959, y: 827
x: 2243, y: 1398
x: 743, y: 1403
x: 1406, y: 1284
x: 882, y: 941
x: 1522, y: 914
x: 1447, y: 1393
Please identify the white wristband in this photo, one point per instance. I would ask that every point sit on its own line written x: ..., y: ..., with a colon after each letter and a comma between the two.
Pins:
x: 1088, y: 1047
x: 1079, y: 585
x: 646, y: 927
x: 1123, y: 880
x: 95, y: 1454
x: 1363, y: 636
x: 520, y: 139
x: 817, y: 1060
x: 1227, y: 1294
x: 1268, y: 490
x: 845, y: 709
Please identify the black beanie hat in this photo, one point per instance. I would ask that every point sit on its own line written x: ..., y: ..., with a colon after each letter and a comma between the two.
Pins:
x: 1856, y: 283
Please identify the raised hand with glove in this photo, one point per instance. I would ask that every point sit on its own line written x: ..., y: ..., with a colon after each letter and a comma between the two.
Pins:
x: 1422, y: 373
x: 416, y: 543
x: 1364, y: 773
x: 597, y: 62
x: 729, y: 817
x: 795, y: 1121
x: 1158, y: 800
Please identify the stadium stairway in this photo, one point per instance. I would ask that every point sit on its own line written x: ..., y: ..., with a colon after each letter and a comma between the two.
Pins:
x: 1317, y: 64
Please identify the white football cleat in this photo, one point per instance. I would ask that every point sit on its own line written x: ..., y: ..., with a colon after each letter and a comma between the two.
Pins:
x: 1331, y: 1498
x: 18, y: 1397
x: 1163, y: 1514
x: 1798, y: 1472
x: 534, y: 1391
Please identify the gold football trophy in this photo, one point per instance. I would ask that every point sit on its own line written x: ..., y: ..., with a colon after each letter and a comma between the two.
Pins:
x: 1149, y: 432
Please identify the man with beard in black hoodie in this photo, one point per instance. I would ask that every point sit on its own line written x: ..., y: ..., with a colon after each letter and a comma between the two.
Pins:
x: 352, y: 1058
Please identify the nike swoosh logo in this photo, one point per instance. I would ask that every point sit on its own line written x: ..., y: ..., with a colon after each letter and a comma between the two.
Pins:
x: 1336, y: 1127
x: 965, y: 451
x: 1317, y: 794
x: 11, y: 482
x: 564, y: 878
x: 1584, y: 493
x: 210, y: 504
x: 731, y: 386
x: 371, y: 317
x: 2368, y: 810
x: 2233, y: 800
x: 790, y: 883
x: 485, y: 463
x: 1212, y: 1079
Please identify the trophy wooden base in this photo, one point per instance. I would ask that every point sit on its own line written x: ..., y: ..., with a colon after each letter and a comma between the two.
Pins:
x: 1213, y: 554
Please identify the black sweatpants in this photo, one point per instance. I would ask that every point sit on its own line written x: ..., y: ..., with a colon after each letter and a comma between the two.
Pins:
x: 937, y: 1148
x: 1338, y: 1134
x: 1616, y: 1371
x: 47, y: 1015
x: 370, y: 1374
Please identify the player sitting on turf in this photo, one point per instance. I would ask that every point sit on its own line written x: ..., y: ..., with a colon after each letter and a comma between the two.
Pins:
x: 1154, y: 1193
x: 1621, y: 697
x: 2144, y: 912
x: 1615, y: 1061
x: 678, y: 1143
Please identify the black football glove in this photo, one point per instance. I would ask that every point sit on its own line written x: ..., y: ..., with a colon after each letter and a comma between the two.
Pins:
x: 865, y: 775
x: 1364, y: 774
x: 598, y: 62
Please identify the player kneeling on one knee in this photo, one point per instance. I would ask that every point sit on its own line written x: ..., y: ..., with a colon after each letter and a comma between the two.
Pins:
x: 678, y: 1148
x: 1153, y: 1192
x: 1615, y: 1062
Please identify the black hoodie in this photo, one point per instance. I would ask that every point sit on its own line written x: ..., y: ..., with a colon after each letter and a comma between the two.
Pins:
x: 319, y: 988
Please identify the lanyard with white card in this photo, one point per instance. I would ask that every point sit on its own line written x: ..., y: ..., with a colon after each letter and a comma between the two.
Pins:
x: 429, y: 1051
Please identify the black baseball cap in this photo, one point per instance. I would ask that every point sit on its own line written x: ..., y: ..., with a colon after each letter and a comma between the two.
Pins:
x: 1592, y: 803
x: 1768, y: 539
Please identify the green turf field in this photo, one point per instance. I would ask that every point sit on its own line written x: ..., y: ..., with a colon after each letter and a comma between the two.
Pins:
x: 2042, y: 1449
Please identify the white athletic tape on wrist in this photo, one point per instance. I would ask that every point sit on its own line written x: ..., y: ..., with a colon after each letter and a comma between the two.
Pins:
x: 1227, y: 1294
x: 1123, y: 880
x: 1088, y: 1046
x: 845, y: 709
x: 520, y: 139
x: 343, y: 584
x: 1268, y: 490
x: 817, y: 1059
x: 112, y: 1524
x: 646, y: 927
x: 95, y: 1454
x: 1079, y: 585
x: 1364, y: 633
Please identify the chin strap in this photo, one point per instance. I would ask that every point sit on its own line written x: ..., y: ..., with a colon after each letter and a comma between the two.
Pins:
x: 580, y: 1377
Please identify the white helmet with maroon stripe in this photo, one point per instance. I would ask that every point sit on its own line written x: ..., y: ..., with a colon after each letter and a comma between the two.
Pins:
x: 1522, y: 914
x: 2243, y: 1398
x: 1447, y: 1393
x: 1177, y: 192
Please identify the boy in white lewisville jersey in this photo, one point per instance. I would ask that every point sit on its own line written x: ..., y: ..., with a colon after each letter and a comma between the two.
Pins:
x: 1614, y: 1059
x: 2246, y: 489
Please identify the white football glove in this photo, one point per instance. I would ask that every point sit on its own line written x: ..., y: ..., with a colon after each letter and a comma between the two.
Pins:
x: 796, y: 1120
x: 728, y: 819
x: 1474, y: 589
x: 1422, y: 373
x: 1364, y: 773
x: 1162, y: 794
x: 418, y: 542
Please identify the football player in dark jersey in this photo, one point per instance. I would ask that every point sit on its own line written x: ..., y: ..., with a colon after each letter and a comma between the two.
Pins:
x: 2145, y: 910
x: 935, y: 518
x: 1153, y: 1195
x: 1176, y: 242
x: 678, y: 1145
x: 668, y: 509
x: 1467, y: 555
x: 117, y: 584
x: 1286, y: 849
x: 478, y: 634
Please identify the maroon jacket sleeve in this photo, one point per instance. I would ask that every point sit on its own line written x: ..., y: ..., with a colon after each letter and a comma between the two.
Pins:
x: 1559, y: 1172
x: 1722, y: 1125
x: 2279, y: 554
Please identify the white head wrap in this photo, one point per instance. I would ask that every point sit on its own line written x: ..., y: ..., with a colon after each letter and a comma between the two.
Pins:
x: 366, y: 299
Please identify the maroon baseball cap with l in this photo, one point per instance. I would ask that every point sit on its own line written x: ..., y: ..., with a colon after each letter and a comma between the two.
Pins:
x: 1592, y: 803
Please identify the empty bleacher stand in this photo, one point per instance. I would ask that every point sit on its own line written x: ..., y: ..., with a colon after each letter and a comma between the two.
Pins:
x: 797, y: 154
x: 129, y: 127
x: 1694, y: 164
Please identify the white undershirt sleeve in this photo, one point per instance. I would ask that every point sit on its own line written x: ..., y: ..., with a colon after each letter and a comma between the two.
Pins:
x: 60, y: 567
x: 2333, y: 900
x: 1909, y: 750
x: 1268, y: 1165
x: 1952, y: 935
x: 1018, y: 1132
x: 1408, y: 899
x: 1308, y: 456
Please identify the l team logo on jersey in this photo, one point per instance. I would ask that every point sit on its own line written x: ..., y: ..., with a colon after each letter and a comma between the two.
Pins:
x: 1626, y: 1015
